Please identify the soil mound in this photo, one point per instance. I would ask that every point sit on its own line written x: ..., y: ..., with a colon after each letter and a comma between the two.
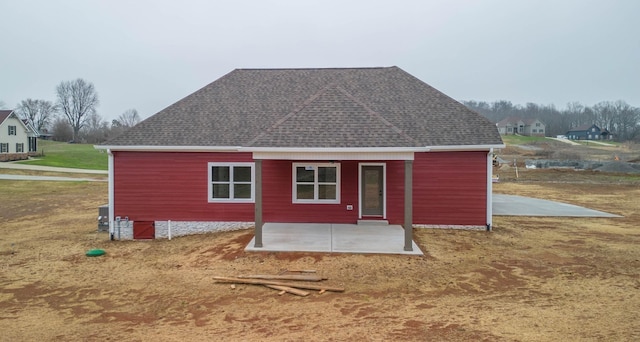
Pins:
x: 620, y: 167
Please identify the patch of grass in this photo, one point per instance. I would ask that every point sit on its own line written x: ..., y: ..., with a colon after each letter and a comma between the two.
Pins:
x: 76, y: 156
x: 521, y: 139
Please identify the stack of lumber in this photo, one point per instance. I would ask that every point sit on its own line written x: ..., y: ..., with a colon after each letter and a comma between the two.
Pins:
x: 285, y: 283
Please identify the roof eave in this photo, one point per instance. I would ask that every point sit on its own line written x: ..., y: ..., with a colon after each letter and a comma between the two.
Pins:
x: 152, y: 148
x: 443, y: 148
x: 333, y: 149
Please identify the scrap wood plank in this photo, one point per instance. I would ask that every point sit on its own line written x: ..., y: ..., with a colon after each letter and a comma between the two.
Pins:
x: 281, y: 283
x: 301, y: 277
x: 297, y: 271
x: 288, y: 289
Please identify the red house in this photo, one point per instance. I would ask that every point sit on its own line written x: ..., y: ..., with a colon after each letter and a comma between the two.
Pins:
x: 303, y: 145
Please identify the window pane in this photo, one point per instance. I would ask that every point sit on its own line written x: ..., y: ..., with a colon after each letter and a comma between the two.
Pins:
x: 220, y: 173
x: 327, y: 174
x: 241, y: 174
x: 303, y: 175
x: 326, y: 192
x: 241, y: 191
x: 220, y: 191
x: 304, y: 191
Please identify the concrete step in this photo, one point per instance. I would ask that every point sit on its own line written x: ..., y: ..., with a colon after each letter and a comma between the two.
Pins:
x: 373, y: 222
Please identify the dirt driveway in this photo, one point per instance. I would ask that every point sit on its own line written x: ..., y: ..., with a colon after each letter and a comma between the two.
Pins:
x: 531, y: 279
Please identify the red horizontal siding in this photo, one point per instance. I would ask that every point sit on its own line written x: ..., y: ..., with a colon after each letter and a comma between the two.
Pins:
x: 395, y: 192
x: 277, y: 196
x: 172, y: 186
x: 450, y: 188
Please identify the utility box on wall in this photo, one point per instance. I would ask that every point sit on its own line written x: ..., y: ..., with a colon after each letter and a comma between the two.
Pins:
x: 103, y: 218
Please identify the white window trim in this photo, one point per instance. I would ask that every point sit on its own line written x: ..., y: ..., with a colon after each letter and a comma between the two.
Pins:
x: 230, y: 200
x: 315, y: 166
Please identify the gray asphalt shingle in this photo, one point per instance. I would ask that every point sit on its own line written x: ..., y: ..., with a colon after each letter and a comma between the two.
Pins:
x: 354, y: 107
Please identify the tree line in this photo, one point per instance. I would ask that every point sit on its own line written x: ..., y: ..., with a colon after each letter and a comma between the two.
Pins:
x: 73, y: 116
x: 620, y: 118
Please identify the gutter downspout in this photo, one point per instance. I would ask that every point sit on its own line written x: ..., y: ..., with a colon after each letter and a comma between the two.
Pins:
x: 489, y: 189
x: 111, y: 192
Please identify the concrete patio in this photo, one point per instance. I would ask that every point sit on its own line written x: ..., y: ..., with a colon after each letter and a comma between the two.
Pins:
x: 333, y: 238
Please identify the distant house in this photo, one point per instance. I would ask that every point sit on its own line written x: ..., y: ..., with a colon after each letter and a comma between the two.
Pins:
x: 588, y: 132
x: 304, y: 146
x: 17, y: 138
x: 515, y: 125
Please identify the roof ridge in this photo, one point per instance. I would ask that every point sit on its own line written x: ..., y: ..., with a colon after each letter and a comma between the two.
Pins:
x: 319, y: 68
x: 378, y: 116
x: 291, y: 113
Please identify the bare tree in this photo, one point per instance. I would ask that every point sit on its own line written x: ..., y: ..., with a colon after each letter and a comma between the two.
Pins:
x: 77, y: 100
x: 96, y: 130
x: 39, y: 112
x: 129, y: 118
x: 61, y: 130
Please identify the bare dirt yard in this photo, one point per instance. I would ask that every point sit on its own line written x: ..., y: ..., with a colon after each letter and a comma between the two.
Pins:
x: 531, y: 279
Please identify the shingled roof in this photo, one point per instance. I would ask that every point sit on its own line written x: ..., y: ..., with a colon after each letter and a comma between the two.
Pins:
x: 4, y: 114
x: 314, y: 108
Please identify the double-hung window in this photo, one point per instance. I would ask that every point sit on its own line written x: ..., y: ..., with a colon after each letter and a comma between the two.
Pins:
x: 316, y: 183
x: 4, y: 148
x: 231, y: 182
x: 19, y: 147
x: 12, y: 130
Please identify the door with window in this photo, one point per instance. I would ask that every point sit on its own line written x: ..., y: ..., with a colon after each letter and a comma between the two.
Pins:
x: 372, y: 190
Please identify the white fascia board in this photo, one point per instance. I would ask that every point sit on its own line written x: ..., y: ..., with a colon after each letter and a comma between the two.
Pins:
x: 333, y: 156
x: 346, y: 153
x: 334, y: 149
x: 135, y: 148
x: 464, y: 147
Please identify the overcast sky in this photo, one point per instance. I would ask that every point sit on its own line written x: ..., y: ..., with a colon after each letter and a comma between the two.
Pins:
x: 149, y: 54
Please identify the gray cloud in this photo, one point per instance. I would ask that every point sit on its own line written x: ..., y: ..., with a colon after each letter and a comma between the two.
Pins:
x: 149, y: 54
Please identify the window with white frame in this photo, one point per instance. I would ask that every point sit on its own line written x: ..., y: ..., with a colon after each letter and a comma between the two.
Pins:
x: 19, y: 147
x: 12, y: 130
x: 4, y: 148
x: 316, y: 183
x: 231, y: 182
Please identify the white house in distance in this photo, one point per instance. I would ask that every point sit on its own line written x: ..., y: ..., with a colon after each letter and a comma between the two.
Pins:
x: 514, y: 125
x: 17, y: 138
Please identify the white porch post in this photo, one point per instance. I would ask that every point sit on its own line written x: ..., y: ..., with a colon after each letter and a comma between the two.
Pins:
x: 489, y: 189
x: 111, y: 192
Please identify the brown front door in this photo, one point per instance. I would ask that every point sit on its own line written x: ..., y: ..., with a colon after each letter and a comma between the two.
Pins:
x: 372, y: 180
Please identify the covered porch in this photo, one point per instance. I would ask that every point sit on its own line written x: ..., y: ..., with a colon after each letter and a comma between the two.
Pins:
x: 339, y: 237
x: 333, y: 238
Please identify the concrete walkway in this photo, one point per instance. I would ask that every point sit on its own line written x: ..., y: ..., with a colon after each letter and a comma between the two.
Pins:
x: 512, y: 205
x: 566, y: 141
x: 333, y: 238
x: 50, y: 178
x: 389, y: 239
x: 18, y: 166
